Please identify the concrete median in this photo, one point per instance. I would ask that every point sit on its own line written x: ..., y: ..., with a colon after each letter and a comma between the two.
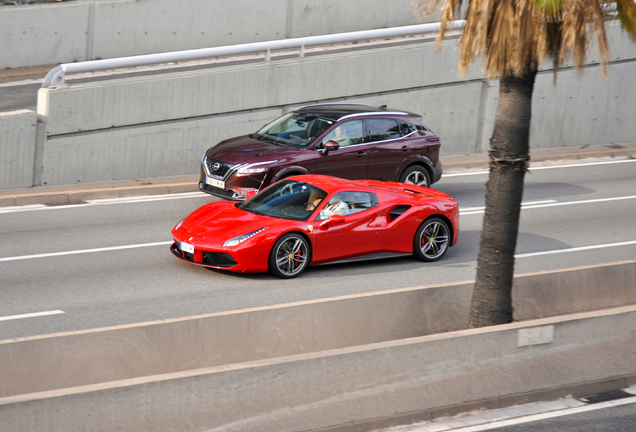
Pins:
x: 220, y: 356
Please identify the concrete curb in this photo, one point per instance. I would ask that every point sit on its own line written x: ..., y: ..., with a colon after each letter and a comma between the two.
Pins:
x: 59, y: 195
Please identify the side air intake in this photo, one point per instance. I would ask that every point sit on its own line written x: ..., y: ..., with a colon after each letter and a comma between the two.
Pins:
x: 397, y: 212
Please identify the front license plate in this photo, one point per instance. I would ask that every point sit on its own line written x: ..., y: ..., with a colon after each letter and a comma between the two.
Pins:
x: 186, y: 247
x: 215, y: 182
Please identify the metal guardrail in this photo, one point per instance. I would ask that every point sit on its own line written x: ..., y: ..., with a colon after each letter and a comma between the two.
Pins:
x: 57, y: 76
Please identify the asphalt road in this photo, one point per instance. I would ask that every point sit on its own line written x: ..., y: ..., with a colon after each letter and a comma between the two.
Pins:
x: 575, y: 214
x: 608, y: 413
x: 612, y: 419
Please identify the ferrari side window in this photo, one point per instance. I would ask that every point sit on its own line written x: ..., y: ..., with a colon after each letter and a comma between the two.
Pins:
x: 286, y: 199
x: 347, y: 203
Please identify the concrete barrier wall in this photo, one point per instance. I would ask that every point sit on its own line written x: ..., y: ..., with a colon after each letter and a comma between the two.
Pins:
x: 553, y: 293
x: 50, y: 362
x: 349, y: 385
x: 167, y: 122
x: 93, y: 29
x: 155, y: 150
x: 125, y: 102
x: 42, y: 363
x: 17, y: 149
x: 40, y: 35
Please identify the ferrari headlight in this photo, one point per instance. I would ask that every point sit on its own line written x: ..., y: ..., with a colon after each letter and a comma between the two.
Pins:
x: 178, y: 225
x: 240, y: 239
x: 254, y: 168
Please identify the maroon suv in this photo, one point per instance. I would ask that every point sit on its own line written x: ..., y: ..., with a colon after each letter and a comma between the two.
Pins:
x: 352, y: 141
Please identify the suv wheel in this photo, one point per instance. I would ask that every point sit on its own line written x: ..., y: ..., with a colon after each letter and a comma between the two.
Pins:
x: 416, y: 175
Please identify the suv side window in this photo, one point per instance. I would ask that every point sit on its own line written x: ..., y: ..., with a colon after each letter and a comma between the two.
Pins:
x: 382, y: 129
x: 347, y: 203
x: 347, y: 133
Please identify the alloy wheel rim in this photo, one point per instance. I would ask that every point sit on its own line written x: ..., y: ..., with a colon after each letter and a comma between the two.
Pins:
x: 434, y: 240
x: 416, y: 178
x: 291, y: 256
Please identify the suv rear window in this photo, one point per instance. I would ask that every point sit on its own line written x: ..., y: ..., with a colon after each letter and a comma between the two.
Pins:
x: 382, y: 129
x: 407, y: 128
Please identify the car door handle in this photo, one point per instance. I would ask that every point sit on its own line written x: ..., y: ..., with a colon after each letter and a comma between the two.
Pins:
x: 405, y: 148
x: 361, y: 153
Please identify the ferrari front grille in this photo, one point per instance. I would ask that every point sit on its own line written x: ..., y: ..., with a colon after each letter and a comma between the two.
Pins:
x: 218, y: 259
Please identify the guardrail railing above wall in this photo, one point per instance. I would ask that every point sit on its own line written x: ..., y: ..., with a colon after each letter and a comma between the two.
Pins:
x: 57, y: 76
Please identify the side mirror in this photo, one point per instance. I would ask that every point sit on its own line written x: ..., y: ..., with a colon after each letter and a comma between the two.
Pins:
x: 333, y: 220
x: 329, y: 146
x: 250, y: 194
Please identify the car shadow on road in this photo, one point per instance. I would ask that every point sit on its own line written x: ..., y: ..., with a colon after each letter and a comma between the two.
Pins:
x: 465, y: 251
x: 472, y: 194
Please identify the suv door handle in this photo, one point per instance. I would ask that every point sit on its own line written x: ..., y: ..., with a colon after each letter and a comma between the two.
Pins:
x: 361, y: 153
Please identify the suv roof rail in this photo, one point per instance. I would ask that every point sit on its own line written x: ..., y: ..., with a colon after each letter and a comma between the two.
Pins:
x: 331, y: 104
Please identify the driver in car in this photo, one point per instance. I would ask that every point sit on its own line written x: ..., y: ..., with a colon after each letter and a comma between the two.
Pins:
x: 334, y: 206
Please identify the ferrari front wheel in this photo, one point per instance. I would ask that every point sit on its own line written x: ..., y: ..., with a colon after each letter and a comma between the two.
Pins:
x: 431, y: 240
x: 289, y: 256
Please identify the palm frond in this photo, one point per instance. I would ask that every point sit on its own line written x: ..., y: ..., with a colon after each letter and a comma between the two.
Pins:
x: 549, y: 8
x: 515, y: 35
x: 627, y: 14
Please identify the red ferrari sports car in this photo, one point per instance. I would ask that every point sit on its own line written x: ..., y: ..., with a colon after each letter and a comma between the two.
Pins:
x: 315, y: 219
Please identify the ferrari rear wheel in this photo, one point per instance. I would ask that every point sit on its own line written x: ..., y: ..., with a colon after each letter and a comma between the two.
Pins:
x: 289, y: 256
x: 431, y: 240
x: 416, y: 175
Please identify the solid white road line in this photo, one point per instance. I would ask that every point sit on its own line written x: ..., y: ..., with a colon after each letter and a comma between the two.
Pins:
x: 523, y: 204
x: 544, y: 167
x: 30, y: 315
x: 541, y: 416
x: 480, y: 210
x: 576, y: 249
x: 84, y: 251
x: 148, y: 198
x: 165, y: 243
x: 463, y: 212
x: 106, y: 201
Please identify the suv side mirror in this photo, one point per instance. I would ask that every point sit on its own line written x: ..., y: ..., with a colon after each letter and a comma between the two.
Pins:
x: 330, y: 145
x: 250, y: 194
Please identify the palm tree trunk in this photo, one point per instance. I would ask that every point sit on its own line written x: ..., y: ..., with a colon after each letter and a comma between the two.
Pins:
x: 509, y: 155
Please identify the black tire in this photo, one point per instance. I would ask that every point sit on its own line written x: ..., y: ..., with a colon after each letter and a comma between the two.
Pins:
x: 290, y: 256
x: 417, y: 175
x: 431, y: 240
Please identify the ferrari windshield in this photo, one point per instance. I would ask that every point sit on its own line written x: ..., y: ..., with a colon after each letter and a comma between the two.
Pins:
x: 286, y: 199
x: 293, y: 129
